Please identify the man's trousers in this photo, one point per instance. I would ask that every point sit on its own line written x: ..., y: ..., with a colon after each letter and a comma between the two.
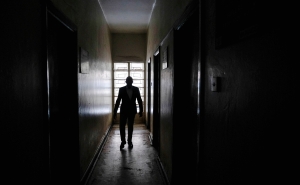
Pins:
x: 129, y: 119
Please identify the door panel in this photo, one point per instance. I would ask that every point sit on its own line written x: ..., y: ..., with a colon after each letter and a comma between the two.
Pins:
x: 149, y: 99
x: 63, y: 102
x: 186, y: 88
x: 156, y: 101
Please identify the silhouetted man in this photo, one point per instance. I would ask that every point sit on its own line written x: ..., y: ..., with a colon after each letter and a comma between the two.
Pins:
x: 128, y: 94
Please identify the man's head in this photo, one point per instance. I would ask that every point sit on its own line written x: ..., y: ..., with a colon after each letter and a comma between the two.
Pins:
x: 129, y: 81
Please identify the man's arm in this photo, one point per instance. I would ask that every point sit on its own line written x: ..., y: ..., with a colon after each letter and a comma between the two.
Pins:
x: 140, y: 102
x: 117, y: 105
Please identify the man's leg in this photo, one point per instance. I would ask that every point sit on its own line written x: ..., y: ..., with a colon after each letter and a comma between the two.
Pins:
x: 130, y: 129
x: 123, y: 119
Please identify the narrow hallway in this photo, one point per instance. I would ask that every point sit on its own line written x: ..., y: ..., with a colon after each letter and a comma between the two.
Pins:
x: 136, y: 166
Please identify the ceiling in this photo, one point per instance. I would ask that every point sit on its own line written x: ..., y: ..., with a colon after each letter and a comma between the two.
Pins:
x: 127, y: 16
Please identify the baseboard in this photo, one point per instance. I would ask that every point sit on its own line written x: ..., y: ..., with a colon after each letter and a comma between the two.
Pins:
x: 163, y: 171
x: 91, y: 166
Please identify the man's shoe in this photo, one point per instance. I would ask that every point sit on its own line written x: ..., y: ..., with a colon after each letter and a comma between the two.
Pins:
x: 130, y: 145
x: 122, y: 145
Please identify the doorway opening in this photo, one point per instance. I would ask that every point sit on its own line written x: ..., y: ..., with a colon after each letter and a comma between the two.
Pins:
x: 155, y: 123
x: 62, y: 89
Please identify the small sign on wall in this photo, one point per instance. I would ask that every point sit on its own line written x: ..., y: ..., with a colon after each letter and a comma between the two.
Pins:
x: 84, y: 61
x: 165, y: 59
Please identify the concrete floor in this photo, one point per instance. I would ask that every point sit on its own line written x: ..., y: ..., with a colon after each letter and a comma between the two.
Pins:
x: 136, y: 166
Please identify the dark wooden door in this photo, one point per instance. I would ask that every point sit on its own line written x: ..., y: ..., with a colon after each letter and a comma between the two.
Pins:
x: 63, y: 100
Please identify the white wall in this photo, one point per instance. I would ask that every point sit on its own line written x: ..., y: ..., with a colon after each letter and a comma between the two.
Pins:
x: 129, y: 47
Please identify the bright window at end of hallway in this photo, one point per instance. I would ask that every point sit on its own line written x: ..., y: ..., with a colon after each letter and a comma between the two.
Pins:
x: 124, y: 69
